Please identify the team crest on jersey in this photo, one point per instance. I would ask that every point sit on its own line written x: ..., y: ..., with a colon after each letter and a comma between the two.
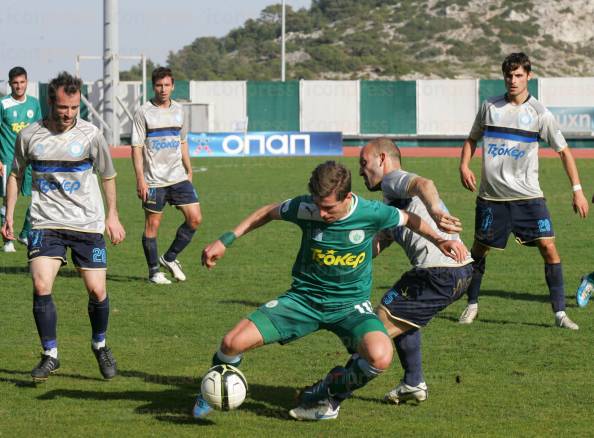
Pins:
x: 525, y: 119
x: 357, y: 236
x: 30, y: 113
x: 271, y: 304
x: 75, y: 149
x: 39, y: 149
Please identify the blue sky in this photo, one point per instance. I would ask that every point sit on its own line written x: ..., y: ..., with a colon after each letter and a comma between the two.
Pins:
x: 45, y: 36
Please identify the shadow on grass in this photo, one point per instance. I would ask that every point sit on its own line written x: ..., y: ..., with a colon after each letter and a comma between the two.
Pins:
x: 242, y: 302
x: 69, y: 273
x: 174, y: 404
x: 497, y: 321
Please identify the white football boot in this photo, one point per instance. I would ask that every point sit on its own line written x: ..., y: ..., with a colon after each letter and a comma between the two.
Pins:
x: 323, y: 410
x: 174, y: 268
x: 159, y: 278
x: 403, y: 393
x: 563, y: 321
x: 469, y: 314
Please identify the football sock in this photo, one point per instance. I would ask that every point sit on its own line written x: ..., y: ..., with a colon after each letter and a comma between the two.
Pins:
x: 408, y: 347
x: 99, y: 317
x: 478, y: 270
x: 220, y: 358
x: 46, y: 320
x: 554, y: 278
x: 149, y: 244
x: 342, y: 381
x: 183, y: 237
x: 26, y: 224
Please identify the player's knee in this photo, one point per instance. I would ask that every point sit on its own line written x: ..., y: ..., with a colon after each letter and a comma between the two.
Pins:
x: 41, y: 287
x: 380, y: 355
x: 231, y: 344
x: 194, y: 221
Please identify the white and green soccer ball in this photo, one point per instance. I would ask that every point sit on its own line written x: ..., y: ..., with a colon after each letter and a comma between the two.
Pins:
x: 224, y: 387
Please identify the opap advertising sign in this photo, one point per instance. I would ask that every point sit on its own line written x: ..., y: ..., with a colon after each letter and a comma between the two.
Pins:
x: 264, y: 144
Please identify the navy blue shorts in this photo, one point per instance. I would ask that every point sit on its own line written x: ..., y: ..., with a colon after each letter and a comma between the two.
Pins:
x: 528, y: 219
x: 87, y: 249
x: 423, y: 292
x: 182, y: 193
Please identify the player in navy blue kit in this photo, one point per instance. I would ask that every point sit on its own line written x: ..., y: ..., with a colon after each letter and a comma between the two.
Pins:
x: 435, y: 280
x: 509, y: 197
x: 66, y: 154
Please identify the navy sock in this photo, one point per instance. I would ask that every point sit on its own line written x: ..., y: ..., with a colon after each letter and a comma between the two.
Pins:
x: 99, y: 317
x: 183, y: 237
x: 554, y: 278
x: 408, y: 346
x: 149, y: 244
x: 46, y: 320
x: 478, y: 270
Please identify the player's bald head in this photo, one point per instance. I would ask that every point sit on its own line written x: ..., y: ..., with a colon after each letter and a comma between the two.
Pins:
x: 386, y: 146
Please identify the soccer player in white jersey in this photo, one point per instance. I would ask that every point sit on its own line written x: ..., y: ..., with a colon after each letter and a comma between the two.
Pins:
x: 509, y: 197
x: 434, y: 282
x: 65, y: 154
x: 164, y: 175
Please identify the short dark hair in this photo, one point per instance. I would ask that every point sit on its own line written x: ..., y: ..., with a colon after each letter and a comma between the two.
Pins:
x: 330, y: 177
x: 71, y: 85
x: 514, y: 61
x: 15, y: 72
x: 162, y: 72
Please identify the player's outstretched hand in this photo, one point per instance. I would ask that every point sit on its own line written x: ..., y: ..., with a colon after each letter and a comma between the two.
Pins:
x: 212, y: 253
x: 468, y: 179
x: 580, y: 204
x: 446, y: 222
x: 454, y: 249
x: 115, y: 230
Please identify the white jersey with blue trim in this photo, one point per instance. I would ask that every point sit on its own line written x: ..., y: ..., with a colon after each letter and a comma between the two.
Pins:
x: 65, y: 192
x: 511, y: 135
x: 160, y: 132
x: 421, y: 252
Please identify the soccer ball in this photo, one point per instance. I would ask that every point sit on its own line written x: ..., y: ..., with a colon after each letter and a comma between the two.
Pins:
x: 224, y: 387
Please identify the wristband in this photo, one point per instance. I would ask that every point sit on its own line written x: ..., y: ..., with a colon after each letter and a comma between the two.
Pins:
x: 228, y: 238
x: 576, y: 187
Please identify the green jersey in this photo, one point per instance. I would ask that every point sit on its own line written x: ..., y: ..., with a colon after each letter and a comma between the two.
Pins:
x: 14, y: 116
x: 334, y: 264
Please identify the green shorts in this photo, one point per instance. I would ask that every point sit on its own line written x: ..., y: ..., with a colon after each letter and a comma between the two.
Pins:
x: 27, y: 180
x: 292, y: 316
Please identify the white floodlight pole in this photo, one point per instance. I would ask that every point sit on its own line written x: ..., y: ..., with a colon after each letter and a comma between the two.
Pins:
x: 283, y: 41
x: 111, y: 68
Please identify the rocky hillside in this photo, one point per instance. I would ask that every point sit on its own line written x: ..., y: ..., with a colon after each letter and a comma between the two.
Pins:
x: 390, y: 39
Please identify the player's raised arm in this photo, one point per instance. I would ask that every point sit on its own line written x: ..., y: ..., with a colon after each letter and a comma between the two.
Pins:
x: 258, y: 218
x: 454, y: 249
x: 426, y: 191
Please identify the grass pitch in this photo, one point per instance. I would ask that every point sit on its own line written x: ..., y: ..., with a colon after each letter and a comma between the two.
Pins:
x: 510, y: 373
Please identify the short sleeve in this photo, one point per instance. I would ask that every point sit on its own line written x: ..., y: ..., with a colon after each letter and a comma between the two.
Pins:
x: 396, y: 186
x: 478, y: 127
x: 37, y: 110
x: 183, y: 134
x: 388, y: 217
x: 138, y: 129
x: 549, y: 131
x: 20, y: 156
x: 102, y: 161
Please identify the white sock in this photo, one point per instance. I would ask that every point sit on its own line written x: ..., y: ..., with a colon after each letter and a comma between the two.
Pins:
x: 228, y: 359
x: 560, y: 314
x: 473, y: 306
x: 97, y: 345
x: 52, y: 352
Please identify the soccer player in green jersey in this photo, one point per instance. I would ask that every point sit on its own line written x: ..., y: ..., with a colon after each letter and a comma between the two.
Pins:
x: 331, y: 286
x: 17, y: 111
